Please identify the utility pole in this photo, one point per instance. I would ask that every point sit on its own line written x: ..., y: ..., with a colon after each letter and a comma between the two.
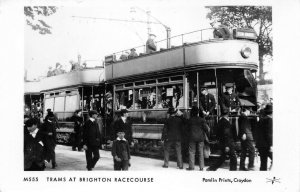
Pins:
x: 132, y: 9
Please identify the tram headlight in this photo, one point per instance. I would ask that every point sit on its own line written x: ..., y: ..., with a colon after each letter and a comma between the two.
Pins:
x: 246, y: 52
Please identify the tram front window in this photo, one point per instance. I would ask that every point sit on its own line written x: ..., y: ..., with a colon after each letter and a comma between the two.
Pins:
x: 170, y: 96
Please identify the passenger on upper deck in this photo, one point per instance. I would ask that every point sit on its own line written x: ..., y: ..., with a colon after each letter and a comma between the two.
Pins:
x: 221, y: 31
x: 150, y: 44
x: 132, y: 53
x: 58, y: 70
x: 50, y: 72
x: 124, y: 56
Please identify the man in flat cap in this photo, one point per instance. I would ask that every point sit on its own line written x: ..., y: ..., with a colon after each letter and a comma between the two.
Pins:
x: 91, y: 140
x: 150, y: 44
x: 229, y: 99
x: 132, y: 53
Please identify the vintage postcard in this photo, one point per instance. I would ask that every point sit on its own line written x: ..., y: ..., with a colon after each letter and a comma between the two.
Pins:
x: 149, y: 95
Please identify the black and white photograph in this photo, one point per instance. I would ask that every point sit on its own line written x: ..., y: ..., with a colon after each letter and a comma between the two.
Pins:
x: 179, y: 95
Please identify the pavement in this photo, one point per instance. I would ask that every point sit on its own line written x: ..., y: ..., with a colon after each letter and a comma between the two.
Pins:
x: 68, y: 160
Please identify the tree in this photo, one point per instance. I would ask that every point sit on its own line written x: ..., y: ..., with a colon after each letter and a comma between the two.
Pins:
x: 34, y: 17
x: 258, y: 18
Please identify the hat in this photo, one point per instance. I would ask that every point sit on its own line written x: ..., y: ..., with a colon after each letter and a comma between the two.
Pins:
x: 31, y: 122
x: 228, y: 85
x: 268, y: 109
x: 120, y: 129
x: 48, y: 110
x: 172, y: 110
x: 203, y: 88
x: 133, y: 49
x: 151, y: 34
x: 26, y: 116
x: 93, y: 112
x: 123, y: 111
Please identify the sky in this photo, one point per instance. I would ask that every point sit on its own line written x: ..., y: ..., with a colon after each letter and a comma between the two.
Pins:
x: 93, y: 39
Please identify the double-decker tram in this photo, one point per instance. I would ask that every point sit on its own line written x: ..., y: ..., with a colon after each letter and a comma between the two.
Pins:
x: 64, y: 93
x: 148, y: 84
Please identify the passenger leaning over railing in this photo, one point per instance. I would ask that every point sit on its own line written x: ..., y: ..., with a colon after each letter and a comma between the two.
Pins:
x: 150, y: 44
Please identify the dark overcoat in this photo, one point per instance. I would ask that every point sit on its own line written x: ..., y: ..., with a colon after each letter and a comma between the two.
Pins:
x: 91, y: 134
x: 173, y: 129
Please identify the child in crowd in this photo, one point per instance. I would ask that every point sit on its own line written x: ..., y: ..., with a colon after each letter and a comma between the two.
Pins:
x: 120, y: 152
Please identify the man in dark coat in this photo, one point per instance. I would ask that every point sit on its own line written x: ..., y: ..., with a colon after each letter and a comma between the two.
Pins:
x: 49, y: 130
x: 226, y: 135
x: 33, y: 147
x: 230, y: 100
x: 121, y: 152
x: 172, y: 134
x: 150, y: 44
x: 77, y: 119
x: 124, y: 124
x: 197, y: 128
x: 91, y: 140
x: 207, y: 102
x: 264, y: 141
x: 247, y: 141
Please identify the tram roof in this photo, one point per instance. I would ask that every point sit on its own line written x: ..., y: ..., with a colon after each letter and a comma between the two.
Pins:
x: 214, y: 53
x: 82, y: 77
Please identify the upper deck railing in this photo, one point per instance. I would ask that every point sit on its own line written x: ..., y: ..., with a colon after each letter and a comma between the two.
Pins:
x: 176, y: 41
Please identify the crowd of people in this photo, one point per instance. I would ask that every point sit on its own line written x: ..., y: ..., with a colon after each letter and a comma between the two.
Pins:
x: 40, y: 136
x: 39, y: 142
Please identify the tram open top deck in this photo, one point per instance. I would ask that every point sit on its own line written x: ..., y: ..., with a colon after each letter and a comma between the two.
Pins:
x: 88, y: 76
x: 215, y: 53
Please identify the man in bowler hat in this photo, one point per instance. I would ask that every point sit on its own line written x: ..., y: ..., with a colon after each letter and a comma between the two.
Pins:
x: 91, y: 140
x: 172, y: 134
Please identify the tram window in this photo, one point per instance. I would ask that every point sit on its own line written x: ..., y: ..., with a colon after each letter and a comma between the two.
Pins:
x: 59, y: 104
x: 128, y: 84
x: 177, y: 78
x: 163, y: 80
x: 51, y: 94
x: 124, y: 99
x: 170, y: 96
x: 145, y: 98
x: 71, y: 102
x: 151, y: 82
x: 139, y: 83
x: 119, y: 86
x: 68, y: 92
x: 57, y: 93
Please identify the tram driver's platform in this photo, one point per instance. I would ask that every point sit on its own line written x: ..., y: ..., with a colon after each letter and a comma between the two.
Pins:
x: 69, y: 160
